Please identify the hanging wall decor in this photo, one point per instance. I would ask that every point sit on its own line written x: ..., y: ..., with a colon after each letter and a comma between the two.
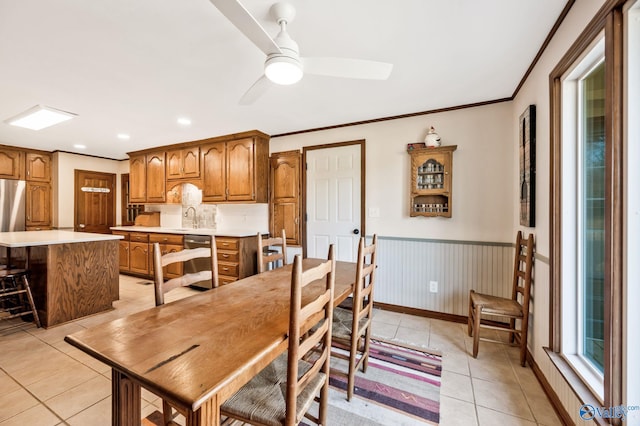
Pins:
x: 527, y: 148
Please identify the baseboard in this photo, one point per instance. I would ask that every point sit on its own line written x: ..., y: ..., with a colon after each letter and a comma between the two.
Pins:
x: 462, y: 319
x: 563, y: 415
x: 421, y: 312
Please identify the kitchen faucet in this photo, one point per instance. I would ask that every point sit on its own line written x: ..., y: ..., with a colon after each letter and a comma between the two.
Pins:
x: 195, y: 217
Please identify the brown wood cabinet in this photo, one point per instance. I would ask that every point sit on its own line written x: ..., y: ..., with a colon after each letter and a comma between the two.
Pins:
x: 235, y: 170
x: 147, y: 178
x: 139, y: 253
x: 214, y: 172
x: 11, y: 163
x: 431, y: 177
x: 38, y: 167
x: 183, y: 163
x: 35, y: 168
x: 38, y: 204
x: 285, y: 195
x: 169, y: 243
x: 236, y: 258
x: 123, y: 250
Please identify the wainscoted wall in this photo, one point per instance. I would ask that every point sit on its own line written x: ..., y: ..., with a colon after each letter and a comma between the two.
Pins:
x: 407, y: 265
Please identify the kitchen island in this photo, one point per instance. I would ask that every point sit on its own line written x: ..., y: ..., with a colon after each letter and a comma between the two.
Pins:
x: 73, y: 274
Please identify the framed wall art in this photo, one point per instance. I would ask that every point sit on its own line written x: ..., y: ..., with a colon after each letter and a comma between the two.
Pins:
x: 527, y: 148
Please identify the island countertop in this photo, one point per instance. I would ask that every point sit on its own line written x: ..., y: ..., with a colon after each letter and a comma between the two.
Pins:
x: 46, y: 238
x: 190, y: 231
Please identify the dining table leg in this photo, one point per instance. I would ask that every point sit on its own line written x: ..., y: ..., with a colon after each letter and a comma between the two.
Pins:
x: 207, y: 415
x: 125, y: 400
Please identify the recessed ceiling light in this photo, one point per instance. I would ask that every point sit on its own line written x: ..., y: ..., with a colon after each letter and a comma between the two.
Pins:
x: 124, y: 136
x: 184, y: 121
x: 40, y: 117
x: 79, y: 146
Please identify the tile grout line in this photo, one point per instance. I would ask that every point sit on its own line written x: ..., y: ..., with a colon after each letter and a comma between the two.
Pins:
x: 33, y: 396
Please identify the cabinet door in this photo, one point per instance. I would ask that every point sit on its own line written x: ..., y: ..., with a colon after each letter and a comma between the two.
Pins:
x: 38, y: 204
x: 214, y: 178
x: 285, y: 195
x: 156, y: 177
x: 431, y: 172
x: 38, y: 167
x: 138, y: 179
x: 139, y: 258
x: 240, y: 170
x: 174, y: 164
x: 11, y: 164
x: 175, y: 269
x: 191, y: 162
x: 124, y: 255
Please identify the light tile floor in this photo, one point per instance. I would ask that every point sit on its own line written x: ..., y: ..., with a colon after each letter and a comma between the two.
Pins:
x: 45, y: 381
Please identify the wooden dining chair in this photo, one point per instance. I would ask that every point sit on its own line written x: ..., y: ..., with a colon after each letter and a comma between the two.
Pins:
x: 282, y: 393
x: 516, y: 308
x: 266, y: 255
x: 160, y: 261
x: 162, y: 287
x: 352, y: 327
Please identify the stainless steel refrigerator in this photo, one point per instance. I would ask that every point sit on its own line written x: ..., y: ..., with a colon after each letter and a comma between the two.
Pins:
x: 12, y: 199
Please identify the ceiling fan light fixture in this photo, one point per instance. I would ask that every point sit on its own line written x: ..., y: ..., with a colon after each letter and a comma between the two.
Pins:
x: 283, y: 70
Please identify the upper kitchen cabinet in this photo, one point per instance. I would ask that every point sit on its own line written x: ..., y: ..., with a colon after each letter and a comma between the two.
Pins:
x: 183, y: 163
x: 231, y: 168
x: 11, y: 163
x: 147, y: 178
x: 236, y: 170
x: 38, y: 167
x: 214, y: 172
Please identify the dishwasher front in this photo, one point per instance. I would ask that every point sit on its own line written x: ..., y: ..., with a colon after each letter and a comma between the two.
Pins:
x: 199, y: 264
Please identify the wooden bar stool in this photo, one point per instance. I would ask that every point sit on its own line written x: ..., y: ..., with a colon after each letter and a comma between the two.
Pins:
x: 14, y: 284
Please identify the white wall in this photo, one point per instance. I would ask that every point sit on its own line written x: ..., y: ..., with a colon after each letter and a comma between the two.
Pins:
x: 64, y: 166
x: 483, y: 201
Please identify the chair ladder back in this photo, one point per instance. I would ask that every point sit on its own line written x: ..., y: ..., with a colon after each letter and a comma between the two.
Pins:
x: 365, y: 278
x: 160, y: 261
x: 265, y: 243
x: 301, y: 342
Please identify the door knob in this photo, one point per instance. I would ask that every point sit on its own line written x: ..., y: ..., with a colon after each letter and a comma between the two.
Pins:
x: 356, y: 231
x: 81, y: 225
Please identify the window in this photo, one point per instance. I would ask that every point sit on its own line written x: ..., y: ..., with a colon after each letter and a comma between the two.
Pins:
x: 587, y: 221
x: 583, y: 204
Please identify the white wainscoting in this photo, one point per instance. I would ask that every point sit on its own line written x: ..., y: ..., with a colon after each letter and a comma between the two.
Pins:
x: 407, y: 265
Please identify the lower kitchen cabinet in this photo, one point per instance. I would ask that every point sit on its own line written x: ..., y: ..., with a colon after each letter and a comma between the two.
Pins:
x: 236, y: 255
x: 169, y: 243
x: 236, y: 258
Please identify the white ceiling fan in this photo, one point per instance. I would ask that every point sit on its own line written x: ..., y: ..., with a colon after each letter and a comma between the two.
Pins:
x: 284, y: 65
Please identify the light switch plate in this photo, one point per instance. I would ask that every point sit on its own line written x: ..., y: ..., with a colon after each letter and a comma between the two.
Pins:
x: 374, y: 212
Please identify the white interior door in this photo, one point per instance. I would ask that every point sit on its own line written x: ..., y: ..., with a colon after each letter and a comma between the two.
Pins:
x: 333, y: 201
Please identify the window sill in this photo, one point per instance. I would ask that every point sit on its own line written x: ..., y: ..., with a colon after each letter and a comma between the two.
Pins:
x: 580, y: 389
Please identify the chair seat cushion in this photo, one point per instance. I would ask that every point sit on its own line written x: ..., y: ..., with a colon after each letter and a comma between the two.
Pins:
x: 343, y: 324
x: 496, y: 305
x: 263, y: 398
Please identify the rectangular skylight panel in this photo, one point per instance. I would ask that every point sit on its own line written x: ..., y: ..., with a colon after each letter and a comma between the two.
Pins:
x: 40, y: 117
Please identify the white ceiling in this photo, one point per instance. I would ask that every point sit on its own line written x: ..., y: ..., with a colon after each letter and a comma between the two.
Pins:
x: 135, y: 66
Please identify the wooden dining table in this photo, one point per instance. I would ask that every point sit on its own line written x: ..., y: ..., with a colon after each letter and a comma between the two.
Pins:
x: 196, y: 352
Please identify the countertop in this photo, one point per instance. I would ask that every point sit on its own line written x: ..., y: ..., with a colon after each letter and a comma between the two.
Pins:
x: 189, y: 231
x: 46, y: 238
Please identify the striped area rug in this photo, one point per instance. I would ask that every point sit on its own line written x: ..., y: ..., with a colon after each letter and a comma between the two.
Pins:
x: 402, y: 379
x: 401, y: 388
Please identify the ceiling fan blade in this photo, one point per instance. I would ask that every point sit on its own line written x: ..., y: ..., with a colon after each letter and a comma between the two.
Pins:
x: 348, y: 68
x: 258, y: 89
x: 247, y: 24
